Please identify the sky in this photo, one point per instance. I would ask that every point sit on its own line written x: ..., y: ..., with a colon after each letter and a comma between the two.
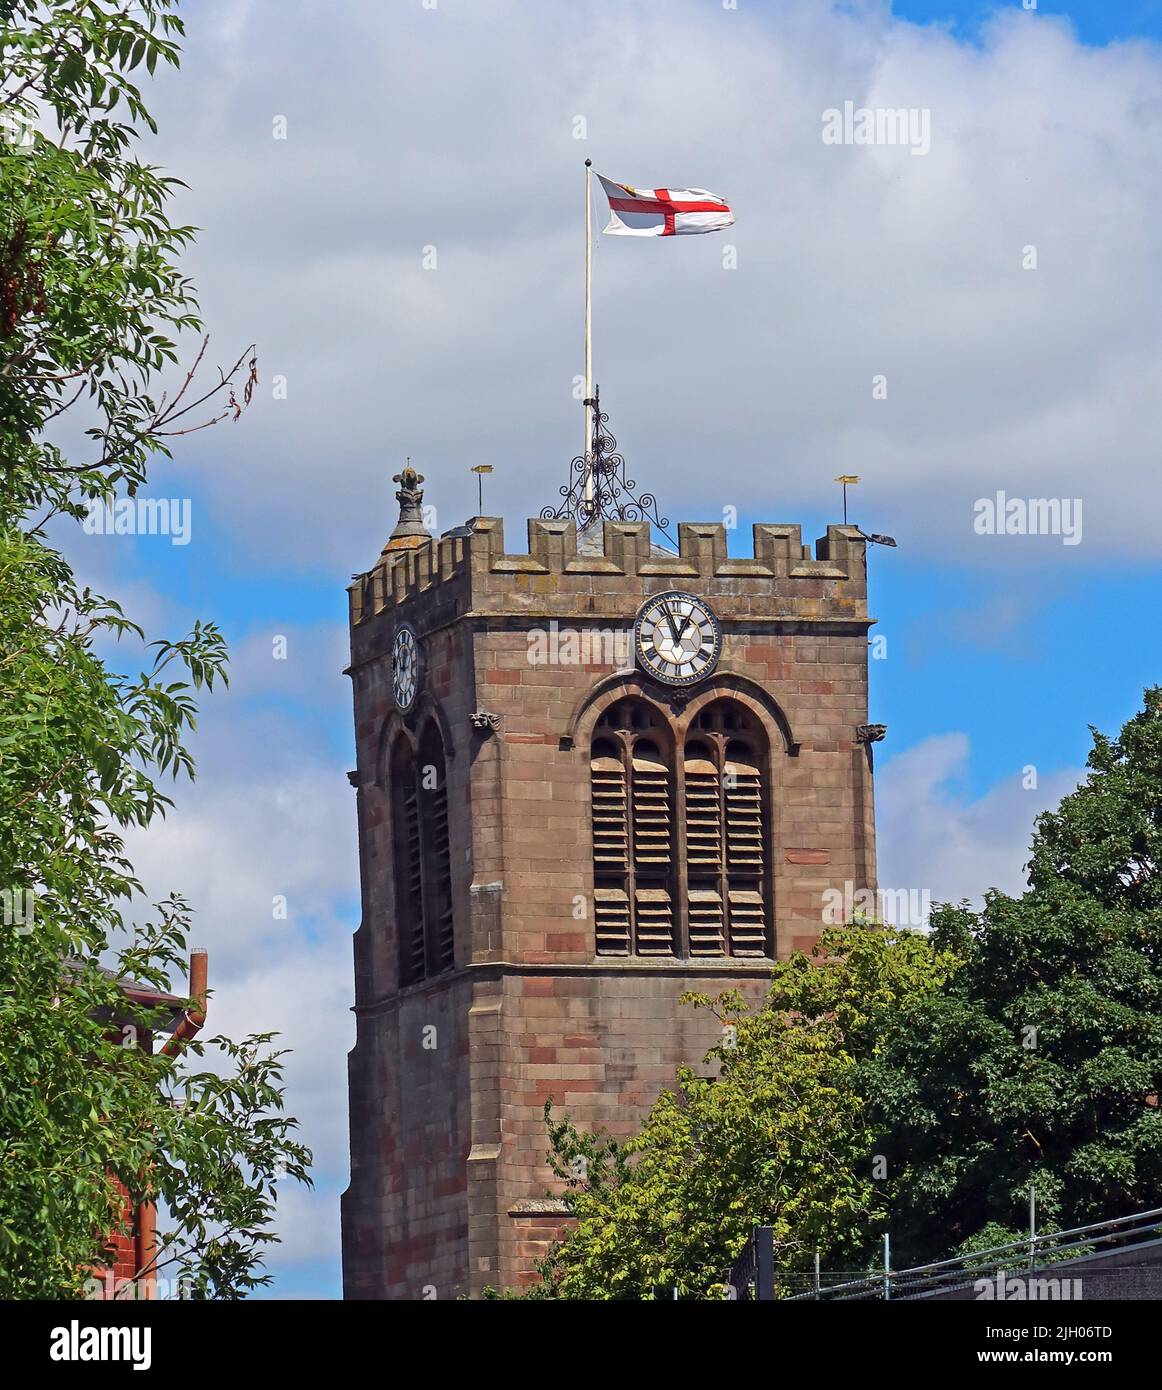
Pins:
x: 390, y: 198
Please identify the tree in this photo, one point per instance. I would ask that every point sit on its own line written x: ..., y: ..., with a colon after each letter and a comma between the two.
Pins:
x: 92, y: 308
x: 1014, y: 1048
x: 776, y: 1136
x: 1039, y: 1062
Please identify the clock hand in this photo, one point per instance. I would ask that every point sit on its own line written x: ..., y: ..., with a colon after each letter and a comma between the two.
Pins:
x: 674, y: 633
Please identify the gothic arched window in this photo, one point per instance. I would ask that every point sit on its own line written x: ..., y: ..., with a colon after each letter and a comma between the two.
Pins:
x: 423, y: 877
x: 631, y: 776
x: 651, y: 898
x: 726, y: 841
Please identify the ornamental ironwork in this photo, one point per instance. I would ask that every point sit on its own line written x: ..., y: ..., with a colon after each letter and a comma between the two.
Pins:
x: 598, y: 488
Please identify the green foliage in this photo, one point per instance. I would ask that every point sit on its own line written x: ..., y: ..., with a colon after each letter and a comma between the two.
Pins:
x: 772, y: 1133
x: 1013, y: 1048
x: 1040, y: 1060
x: 92, y: 300
x: 92, y: 304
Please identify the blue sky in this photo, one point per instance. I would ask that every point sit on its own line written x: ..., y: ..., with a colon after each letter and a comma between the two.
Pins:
x: 1096, y: 21
x: 411, y: 128
x: 1083, y: 646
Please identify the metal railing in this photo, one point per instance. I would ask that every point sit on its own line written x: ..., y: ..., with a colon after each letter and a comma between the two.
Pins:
x: 963, y: 1270
x: 940, y: 1275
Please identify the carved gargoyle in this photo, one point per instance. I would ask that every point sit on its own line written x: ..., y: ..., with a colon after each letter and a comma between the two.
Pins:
x: 870, y: 733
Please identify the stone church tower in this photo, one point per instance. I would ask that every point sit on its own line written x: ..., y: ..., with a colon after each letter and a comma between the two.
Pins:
x: 590, y: 777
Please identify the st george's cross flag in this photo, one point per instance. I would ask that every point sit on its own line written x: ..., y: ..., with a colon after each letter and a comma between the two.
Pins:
x: 663, y: 211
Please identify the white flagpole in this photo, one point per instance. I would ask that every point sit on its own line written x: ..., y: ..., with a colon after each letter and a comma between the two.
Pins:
x: 588, y: 444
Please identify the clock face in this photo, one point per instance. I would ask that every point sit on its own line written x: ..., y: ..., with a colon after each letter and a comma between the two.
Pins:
x: 405, y: 667
x: 677, y: 637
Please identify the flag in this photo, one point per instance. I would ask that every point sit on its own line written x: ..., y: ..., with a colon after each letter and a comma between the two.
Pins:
x: 663, y: 211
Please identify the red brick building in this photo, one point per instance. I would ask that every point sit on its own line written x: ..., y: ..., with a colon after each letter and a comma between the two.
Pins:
x: 127, y: 1267
x: 590, y: 777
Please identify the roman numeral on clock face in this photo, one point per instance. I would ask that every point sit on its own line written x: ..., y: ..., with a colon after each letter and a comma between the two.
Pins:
x: 677, y: 638
x: 405, y: 667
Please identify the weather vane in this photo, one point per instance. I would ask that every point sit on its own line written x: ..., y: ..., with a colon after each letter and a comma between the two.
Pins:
x: 845, y: 479
x: 480, y: 469
x: 874, y: 538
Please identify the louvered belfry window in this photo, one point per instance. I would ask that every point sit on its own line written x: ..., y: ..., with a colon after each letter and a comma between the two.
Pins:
x: 641, y: 871
x: 726, y: 842
x: 632, y: 781
x: 423, y: 877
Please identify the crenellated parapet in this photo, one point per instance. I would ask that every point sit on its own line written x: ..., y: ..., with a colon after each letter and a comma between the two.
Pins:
x: 401, y: 575
x: 474, y: 573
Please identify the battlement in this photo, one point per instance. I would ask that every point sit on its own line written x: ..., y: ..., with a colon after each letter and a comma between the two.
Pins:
x: 463, y: 568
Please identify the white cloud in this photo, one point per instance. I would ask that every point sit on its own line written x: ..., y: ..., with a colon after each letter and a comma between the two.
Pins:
x: 272, y: 814
x: 932, y: 836
x: 453, y: 127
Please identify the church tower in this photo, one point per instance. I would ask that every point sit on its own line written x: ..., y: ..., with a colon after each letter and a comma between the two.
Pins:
x: 590, y: 776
